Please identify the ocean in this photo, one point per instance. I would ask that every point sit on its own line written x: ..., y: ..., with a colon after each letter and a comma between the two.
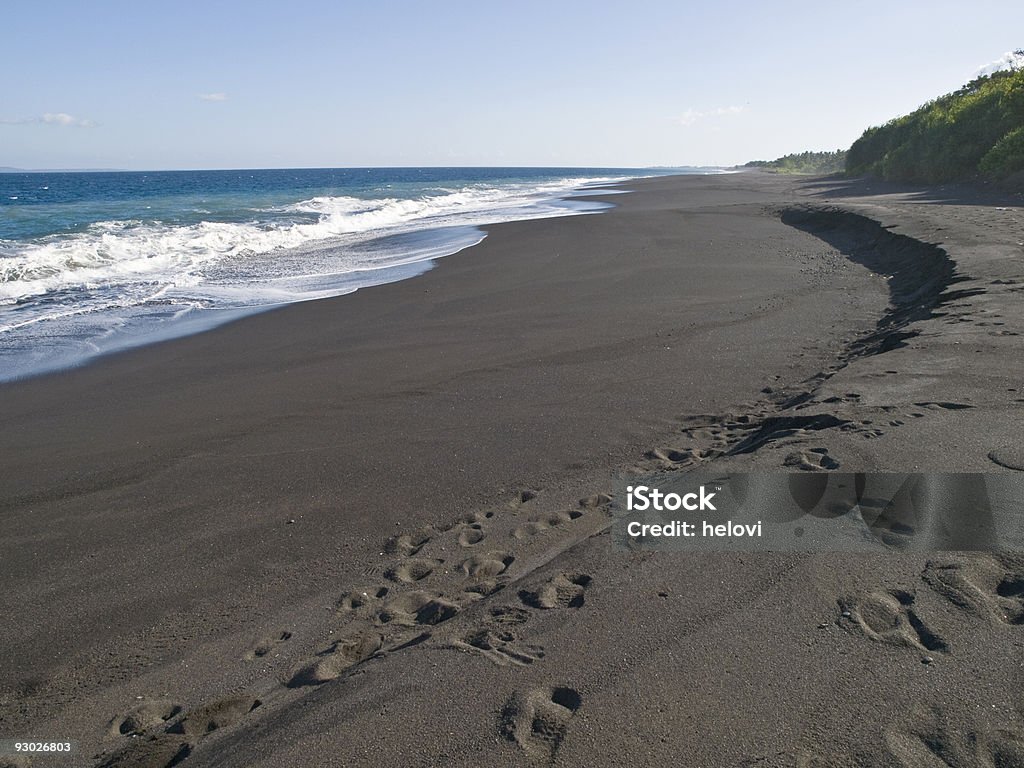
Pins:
x: 92, y: 263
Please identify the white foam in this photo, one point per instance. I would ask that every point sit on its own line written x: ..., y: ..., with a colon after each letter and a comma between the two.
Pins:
x: 118, y: 284
x: 119, y: 252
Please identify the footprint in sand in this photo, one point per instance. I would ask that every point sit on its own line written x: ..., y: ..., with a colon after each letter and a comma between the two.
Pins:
x: 479, y: 589
x: 218, y: 714
x: 507, y: 615
x: 474, y: 518
x: 811, y: 460
x: 176, y: 743
x: 412, y: 570
x: 929, y: 735
x: 538, y: 721
x: 471, y: 534
x: 331, y: 662
x: 1009, y: 456
x: 496, y: 638
x: 502, y: 646
x: 364, y: 602
x: 144, y: 716
x: 595, y: 501
x: 408, y: 544
x: 416, y: 608
x: 539, y: 522
x: 868, y: 432
x: 483, y: 569
x: 987, y: 585
x: 679, y: 458
x: 715, y: 431
x: 161, y: 751
x: 888, y: 617
x: 487, y: 566
x: 266, y: 646
x: 566, y: 590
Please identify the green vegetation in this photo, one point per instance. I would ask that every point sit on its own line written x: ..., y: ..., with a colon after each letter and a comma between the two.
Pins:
x: 1006, y: 157
x: 974, y: 133
x: 804, y: 162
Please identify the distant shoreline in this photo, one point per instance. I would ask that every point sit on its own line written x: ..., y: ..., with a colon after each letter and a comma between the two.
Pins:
x: 122, y: 260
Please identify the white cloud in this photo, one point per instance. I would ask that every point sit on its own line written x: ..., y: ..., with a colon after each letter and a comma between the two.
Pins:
x: 1009, y: 60
x: 213, y: 96
x: 63, y: 118
x: 691, y: 116
x: 51, y: 118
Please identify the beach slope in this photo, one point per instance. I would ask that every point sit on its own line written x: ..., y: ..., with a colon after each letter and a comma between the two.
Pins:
x: 372, y: 530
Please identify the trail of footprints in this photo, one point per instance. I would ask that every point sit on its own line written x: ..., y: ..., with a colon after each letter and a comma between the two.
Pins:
x: 167, y: 735
x: 989, y: 587
x: 424, y: 586
x: 421, y: 590
x: 424, y: 592
x: 784, y: 419
x: 438, y: 573
x: 418, y: 594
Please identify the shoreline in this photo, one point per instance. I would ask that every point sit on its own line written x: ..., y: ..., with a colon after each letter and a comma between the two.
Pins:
x: 429, y: 437
x: 399, y: 253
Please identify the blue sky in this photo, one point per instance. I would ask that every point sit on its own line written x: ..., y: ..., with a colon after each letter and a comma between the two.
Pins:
x: 258, y: 84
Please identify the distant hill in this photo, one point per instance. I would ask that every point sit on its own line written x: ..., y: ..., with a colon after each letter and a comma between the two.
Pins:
x: 804, y: 162
x: 975, y: 133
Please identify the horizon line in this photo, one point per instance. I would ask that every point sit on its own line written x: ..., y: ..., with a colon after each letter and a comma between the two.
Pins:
x: 13, y: 169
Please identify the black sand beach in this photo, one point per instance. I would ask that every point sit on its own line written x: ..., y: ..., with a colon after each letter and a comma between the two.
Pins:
x: 372, y: 530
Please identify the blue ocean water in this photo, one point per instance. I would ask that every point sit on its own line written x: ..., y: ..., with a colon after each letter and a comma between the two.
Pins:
x: 95, y: 262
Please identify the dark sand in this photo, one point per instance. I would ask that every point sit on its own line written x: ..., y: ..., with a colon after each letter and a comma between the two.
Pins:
x: 365, y: 513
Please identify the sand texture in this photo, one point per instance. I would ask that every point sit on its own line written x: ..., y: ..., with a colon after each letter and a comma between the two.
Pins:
x: 373, y: 530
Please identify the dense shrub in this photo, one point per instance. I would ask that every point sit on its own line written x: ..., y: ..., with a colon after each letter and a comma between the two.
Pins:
x: 975, y: 131
x: 804, y: 162
x: 1006, y: 157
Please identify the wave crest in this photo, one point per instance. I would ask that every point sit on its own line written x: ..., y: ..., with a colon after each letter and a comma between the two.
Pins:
x: 110, y: 253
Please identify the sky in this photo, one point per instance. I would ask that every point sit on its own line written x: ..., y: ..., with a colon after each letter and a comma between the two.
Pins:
x: 254, y: 84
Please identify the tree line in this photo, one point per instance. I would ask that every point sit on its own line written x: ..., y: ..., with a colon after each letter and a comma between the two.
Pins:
x: 974, y: 133
x: 804, y: 162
